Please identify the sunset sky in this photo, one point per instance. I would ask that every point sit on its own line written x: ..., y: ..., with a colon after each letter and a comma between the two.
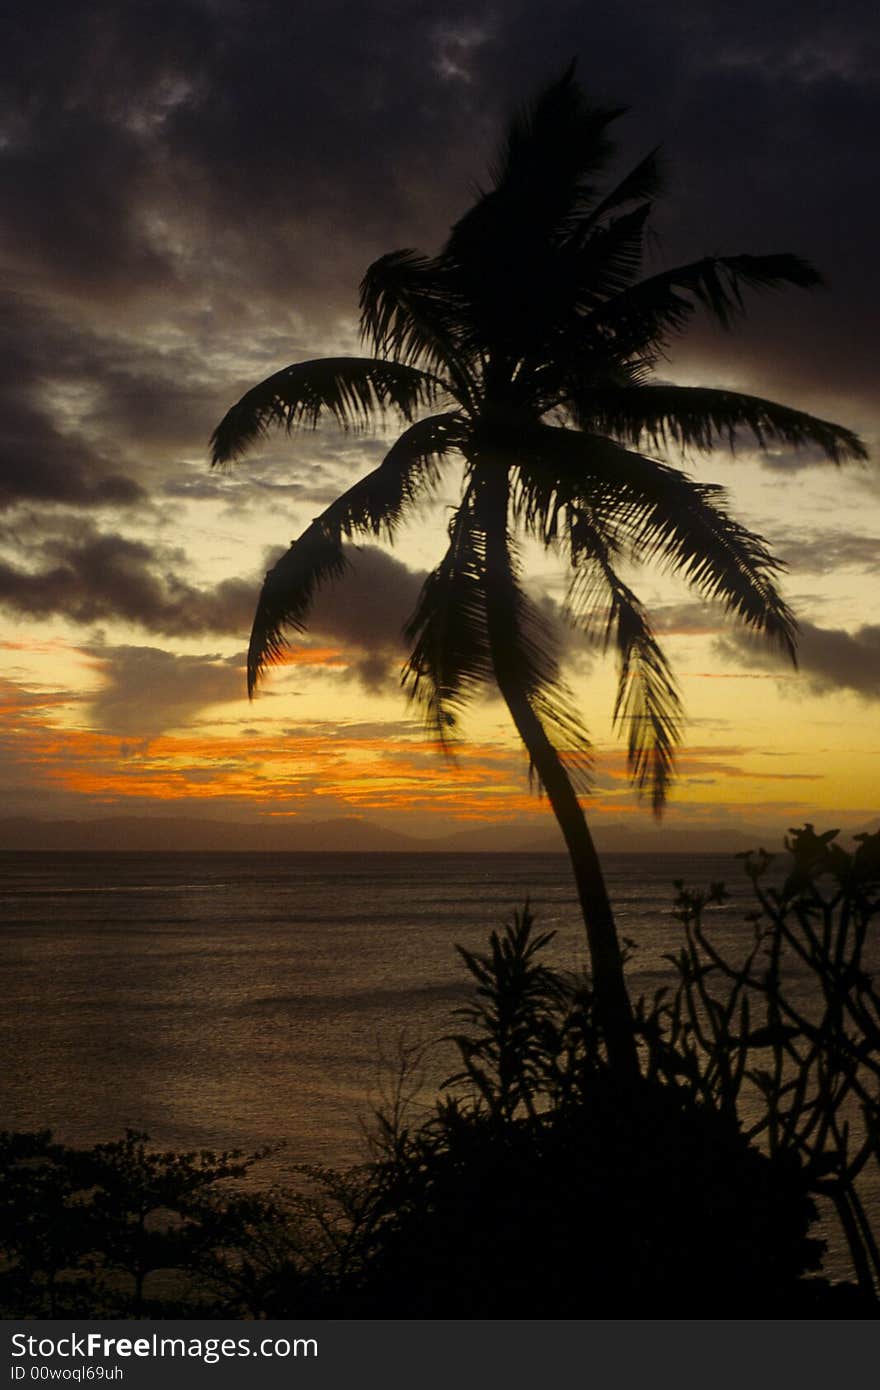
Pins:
x: 191, y: 193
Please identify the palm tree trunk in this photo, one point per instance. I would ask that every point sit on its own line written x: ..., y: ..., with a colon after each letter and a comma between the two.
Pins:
x: 612, y: 1000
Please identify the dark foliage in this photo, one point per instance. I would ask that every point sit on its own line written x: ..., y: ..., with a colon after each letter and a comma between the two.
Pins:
x: 119, y: 1230
x: 788, y: 1037
x: 540, y: 1188
x: 655, y: 1206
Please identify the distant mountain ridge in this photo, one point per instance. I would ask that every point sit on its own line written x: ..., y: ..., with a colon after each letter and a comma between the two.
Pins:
x: 354, y: 835
x: 186, y: 833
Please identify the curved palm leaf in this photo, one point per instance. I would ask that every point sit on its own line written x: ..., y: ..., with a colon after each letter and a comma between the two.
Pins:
x: 411, y: 312
x: 640, y: 319
x: 286, y: 597
x: 411, y: 468
x: 662, y: 514
x: 352, y: 390
x: 643, y: 183
x: 450, y: 657
x: 702, y: 418
x: 687, y: 529
x: 647, y: 705
x: 373, y: 505
x: 525, y: 646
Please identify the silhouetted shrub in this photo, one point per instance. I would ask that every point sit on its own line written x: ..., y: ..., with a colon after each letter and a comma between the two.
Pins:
x: 538, y: 1188
x: 649, y: 1205
x: 119, y: 1229
x: 787, y: 1038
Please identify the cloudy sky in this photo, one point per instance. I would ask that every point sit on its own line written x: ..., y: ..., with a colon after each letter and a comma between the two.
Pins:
x: 191, y: 192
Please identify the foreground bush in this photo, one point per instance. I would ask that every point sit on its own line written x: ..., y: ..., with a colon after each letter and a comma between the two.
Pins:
x: 787, y: 1038
x: 649, y: 1205
x: 119, y: 1230
x: 539, y: 1188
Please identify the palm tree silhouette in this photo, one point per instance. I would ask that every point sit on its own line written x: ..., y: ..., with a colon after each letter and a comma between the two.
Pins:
x: 534, y: 332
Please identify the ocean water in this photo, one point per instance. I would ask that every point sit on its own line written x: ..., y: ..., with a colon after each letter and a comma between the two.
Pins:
x: 241, y: 1000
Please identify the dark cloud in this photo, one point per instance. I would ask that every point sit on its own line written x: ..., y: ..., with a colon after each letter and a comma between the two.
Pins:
x: 101, y: 577
x: 688, y: 619
x: 311, y: 470
x: 784, y: 460
x: 147, y: 690
x: 250, y: 159
x: 44, y: 455
x: 88, y: 419
x: 830, y: 660
x: 67, y: 184
x: 193, y: 188
x: 366, y: 612
x: 40, y: 463
x: 826, y: 552
x: 90, y: 90
x: 161, y: 142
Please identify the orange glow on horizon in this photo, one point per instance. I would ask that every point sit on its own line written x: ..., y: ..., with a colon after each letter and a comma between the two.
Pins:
x: 486, y: 782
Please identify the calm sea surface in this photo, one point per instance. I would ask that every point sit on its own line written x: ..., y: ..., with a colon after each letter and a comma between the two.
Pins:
x: 236, y: 1000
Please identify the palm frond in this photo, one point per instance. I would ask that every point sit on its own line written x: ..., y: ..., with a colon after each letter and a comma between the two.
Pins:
x: 536, y: 295
x: 412, y: 312
x: 642, y: 184
x: 642, y: 317
x: 286, y: 597
x: 689, y: 531
x: 702, y: 418
x: 544, y: 303
x: 663, y: 515
x: 647, y: 706
x: 605, y: 262
x: 718, y: 281
x: 450, y: 658
x: 352, y: 390
x: 538, y: 661
x: 525, y: 647
x: 530, y: 252
x: 409, y: 471
x: 375, y: 504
